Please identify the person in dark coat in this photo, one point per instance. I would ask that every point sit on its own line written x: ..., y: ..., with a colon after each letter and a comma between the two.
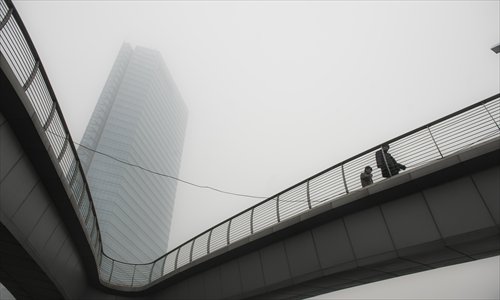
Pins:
x: 388, y: 165
x: 366, y: 176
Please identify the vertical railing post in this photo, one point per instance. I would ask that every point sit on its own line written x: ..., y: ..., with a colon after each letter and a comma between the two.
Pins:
x: 6, y: 18
x: 151, y: 272
x: 343, y: 178
x: 191, y: 251
x: 432, y: 137
x: 94, y: 225
x: 278, y: 208
x: 92, y: 230
x: 228, y: 230
x: 208, y: 241
x: 51, y: 116
x: 80, y: 199
x: 97, y: 237
x: 177, y: 258
x: 488, y: 111
x: 133, y: 276
x: 99, y: 258
x: 99, y: 240
x: 30, y: 79
x: 63, y: 150
x: 163, y: 266
x: 89, y: 212
x: 99, y: 249
x: 111, y: 271
x: 251, y: 221
x: 73, y: 176
x: 308, y: 195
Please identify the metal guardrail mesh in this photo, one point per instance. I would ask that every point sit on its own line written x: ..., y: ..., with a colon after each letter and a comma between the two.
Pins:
x: 476, y: 123
x: 19, y: 52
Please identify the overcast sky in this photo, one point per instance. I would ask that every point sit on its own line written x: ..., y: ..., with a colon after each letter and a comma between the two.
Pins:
x: 278, y: 91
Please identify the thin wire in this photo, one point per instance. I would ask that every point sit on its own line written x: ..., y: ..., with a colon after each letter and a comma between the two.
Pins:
x: 187, y: 182
x: 172, y: 177
x: 161, y: 174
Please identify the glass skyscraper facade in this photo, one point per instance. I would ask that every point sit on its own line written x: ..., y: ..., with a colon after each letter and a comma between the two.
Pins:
x: 140, y: 119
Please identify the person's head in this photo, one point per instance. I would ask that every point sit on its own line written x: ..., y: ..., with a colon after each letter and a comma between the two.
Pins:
x: 385, y: 147
x: 368, y: 170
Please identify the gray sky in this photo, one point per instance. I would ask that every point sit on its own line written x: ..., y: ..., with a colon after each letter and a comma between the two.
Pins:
x: 278, y: 91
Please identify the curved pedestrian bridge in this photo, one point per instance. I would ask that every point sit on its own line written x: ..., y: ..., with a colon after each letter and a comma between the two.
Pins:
x: 322, y: 234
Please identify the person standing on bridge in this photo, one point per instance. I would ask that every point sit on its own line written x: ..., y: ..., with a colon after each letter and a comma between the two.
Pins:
x: 387, y: 164
x: 366, y: 177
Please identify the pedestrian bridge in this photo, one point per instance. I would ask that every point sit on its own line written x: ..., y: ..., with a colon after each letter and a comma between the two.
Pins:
x: 323, y: 234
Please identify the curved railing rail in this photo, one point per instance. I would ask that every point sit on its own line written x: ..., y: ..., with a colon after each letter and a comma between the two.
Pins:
x: 17, y: 48
x: 20, y: 53
x: 476, y: 123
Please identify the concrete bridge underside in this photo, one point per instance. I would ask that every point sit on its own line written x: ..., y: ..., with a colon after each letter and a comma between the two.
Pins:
x: 442, y: 213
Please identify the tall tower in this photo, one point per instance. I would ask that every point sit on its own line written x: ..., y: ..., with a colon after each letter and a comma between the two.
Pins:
x: 140, y: 118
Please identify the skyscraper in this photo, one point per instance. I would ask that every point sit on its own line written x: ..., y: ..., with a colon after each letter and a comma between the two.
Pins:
x: 140, y: 118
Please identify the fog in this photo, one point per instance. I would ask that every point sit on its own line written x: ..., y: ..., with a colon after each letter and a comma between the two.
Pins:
x: 278, y: 91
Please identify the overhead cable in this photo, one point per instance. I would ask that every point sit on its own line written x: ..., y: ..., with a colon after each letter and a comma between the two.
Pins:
x: 170, y: 176
x: 162, y: 174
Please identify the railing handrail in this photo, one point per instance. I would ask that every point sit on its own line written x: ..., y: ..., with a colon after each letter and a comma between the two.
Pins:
x: 338, y: 165
x: 449, y: 116
x: 34, y: 52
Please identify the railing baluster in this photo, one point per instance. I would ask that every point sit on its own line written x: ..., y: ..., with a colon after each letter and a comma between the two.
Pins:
x: 151, y: 272
x: 308, y: 195
x: 251, y: 221
x: 99, y: 259
x: 73, y: 177
x: 488, y: 111
x: 208, y: 241
x: 191, y: 251
x: 63, y: 150
x: 51, y: 116
x: 92, y: 230
x: 79, y: 200
x: 133, y: 276
x: 432, y: 137
x: 96, y: 245
x: 278, y: 208
x: 32, y: 76
x: 163, y: 265
x: 111, y: 271
x: 88, y: 215
x: 229, y: 230
x: 6, y: 18
x: 177, y: 257
x: 343, y: 178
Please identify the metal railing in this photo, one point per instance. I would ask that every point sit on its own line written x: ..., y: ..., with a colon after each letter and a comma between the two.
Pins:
x: 20, y: 53
x: 474, y: 124
x: 477, y: 123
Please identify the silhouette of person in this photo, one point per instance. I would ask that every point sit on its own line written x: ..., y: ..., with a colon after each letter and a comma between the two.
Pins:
x: 366, y: 176
x: 388, y: 165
